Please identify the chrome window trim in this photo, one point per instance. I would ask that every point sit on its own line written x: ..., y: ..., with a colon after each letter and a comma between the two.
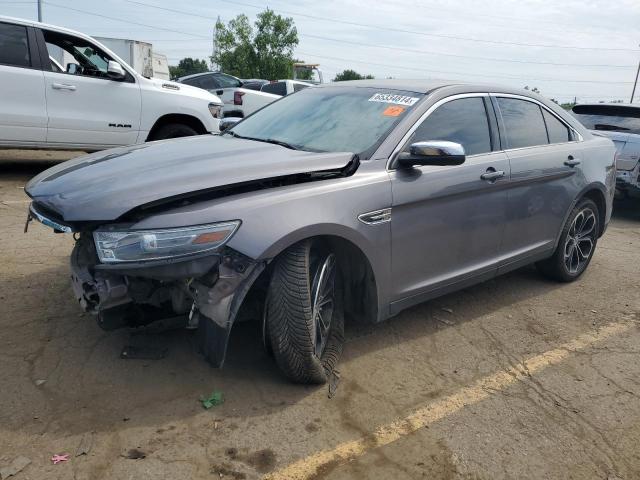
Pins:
x: 424, y: 116
x: 430, y: 110
x: 576, y: 134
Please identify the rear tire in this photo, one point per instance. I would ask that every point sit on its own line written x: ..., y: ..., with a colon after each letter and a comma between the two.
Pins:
x: 304, y: 312
x: 173, y: 130
x: 576, y: 246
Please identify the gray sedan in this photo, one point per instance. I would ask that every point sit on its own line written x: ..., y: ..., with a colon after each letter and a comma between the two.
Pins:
x: 349, y: 201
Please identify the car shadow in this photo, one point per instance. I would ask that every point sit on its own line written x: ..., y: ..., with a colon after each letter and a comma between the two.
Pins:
x: 627, y: 209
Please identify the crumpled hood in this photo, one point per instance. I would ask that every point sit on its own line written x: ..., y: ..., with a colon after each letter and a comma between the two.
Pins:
x: 105, y: 185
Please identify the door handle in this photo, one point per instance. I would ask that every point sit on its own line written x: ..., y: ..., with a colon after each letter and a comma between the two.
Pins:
x: 571, y: 162
x: 492, y: 175
x: 63, y: 86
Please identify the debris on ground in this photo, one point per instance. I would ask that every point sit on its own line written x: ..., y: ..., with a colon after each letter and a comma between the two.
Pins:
x: 212, y: 400
x: 60, y: 458
x: 334, y: 380
x: 143, y: 352
x: 448, y: 310
x: 86, y: 442
x: 39, y: 382
x: 15, y: 467
x: 135, y: 454
x: 445, y: 321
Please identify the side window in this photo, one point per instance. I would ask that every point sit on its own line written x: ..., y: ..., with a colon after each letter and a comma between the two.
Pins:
x: 278, y: 88
x: 194, y: 82
x: 523, y: 123
x: 227, y: 81
x: 463, y: 121
x: 76, y: 55
x: 208, y: 82
x: 558, y: 131
x: 299, y: 86
x: 14, y: 45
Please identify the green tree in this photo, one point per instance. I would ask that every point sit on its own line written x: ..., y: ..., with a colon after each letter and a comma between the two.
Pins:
x: 351, y: 75
x: 187, y: 66
x: 264, y: 50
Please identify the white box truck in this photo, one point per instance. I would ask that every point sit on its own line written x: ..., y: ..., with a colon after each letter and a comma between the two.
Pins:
x: 139, y: 55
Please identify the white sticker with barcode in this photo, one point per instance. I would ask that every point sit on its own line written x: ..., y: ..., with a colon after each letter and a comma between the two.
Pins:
x: 394, y: 98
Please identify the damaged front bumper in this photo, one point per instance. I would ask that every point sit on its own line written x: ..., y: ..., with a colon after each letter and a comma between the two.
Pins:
x: 206, y: 291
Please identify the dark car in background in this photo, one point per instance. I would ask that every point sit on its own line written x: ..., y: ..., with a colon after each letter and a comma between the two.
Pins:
x: 353, y: 200
x: 620, y: 123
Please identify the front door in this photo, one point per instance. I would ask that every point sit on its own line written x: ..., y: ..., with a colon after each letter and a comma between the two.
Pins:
x: 447, y: 222
x: 85, y: 107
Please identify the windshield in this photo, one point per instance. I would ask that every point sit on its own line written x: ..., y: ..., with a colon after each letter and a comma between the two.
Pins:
x: 609, y: 117
x: 331, y: 119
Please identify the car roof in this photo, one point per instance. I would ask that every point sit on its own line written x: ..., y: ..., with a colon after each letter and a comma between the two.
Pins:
x: 199, y: 74
x: 48, y: 26
x: 608, y: 105
x: 429, y: 85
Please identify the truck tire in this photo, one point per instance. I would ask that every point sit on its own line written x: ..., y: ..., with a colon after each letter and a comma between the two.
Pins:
x: 173, y: 130
x: 304, y: 312
x: 576, y: 246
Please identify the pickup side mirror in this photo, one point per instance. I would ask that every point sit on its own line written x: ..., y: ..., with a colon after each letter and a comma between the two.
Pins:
x: 115, y: 70
x: 432, y: 152
x: 73, y: 69
x: 228, y: 122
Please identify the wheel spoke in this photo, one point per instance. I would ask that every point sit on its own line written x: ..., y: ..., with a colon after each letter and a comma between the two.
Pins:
x: 322, y: 301
x: 588, y: 226
x: 584, y: 246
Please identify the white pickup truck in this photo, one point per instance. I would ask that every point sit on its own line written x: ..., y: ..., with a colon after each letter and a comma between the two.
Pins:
x: 239, y: 101
x: 96, y: 101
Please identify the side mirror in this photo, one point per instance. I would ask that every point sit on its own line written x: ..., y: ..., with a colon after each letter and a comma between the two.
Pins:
x: 228, y: 122
x: 433, y: 152
x: 73, y: 69
x: 115, y: 70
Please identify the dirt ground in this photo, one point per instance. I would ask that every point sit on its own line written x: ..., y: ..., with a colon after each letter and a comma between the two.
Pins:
x: 515, y: 378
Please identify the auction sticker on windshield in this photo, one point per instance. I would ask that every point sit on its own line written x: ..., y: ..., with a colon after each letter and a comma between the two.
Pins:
x: 394, y: 98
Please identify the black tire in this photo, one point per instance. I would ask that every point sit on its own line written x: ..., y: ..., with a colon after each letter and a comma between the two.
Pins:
x: 562, y: 265
x: 291, y: 325
x: 173, y: 130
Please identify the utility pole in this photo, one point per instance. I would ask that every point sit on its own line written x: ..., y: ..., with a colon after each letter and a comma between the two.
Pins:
x: 635, y: 84
x: 39, y: 10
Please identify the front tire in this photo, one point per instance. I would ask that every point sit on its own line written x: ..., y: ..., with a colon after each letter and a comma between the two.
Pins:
x: 577, y: 244
x: 173, y: 130
x: 304, y: 312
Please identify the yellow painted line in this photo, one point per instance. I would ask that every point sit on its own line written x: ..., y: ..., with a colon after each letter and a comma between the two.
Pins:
x: 480, y: 390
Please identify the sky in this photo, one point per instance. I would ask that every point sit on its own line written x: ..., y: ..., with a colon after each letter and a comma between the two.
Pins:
x: 587, y: 49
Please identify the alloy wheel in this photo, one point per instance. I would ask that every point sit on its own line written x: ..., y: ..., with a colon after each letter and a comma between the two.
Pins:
x: 323, y: 301
x: 580, y: 241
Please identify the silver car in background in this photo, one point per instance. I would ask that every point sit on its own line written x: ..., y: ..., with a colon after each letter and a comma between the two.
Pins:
x: 349, y: 200
x: 620, y: 123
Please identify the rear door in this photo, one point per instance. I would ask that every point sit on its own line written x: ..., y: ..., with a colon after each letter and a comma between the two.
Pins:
x: 85, y: 106
x: 546, y: 175
x: 23, y: 107
x: 447, y: 222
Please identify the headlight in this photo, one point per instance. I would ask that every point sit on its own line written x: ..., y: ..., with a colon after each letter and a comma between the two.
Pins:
x: 139, y: 245
x: 216, y: 110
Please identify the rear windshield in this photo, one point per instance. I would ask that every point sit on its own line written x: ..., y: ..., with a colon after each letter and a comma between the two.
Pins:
x: 331, y: 119
x: 615, y: 118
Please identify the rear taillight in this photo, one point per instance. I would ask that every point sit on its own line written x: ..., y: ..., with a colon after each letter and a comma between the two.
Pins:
x: 237, y: 98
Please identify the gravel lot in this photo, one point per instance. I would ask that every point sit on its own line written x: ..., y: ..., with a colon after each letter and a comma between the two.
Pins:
x: 514, y: 378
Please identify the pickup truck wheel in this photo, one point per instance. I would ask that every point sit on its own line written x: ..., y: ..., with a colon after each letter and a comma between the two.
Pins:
x: 304, y: 312
x: 576, y: 246
x: 173, y: 130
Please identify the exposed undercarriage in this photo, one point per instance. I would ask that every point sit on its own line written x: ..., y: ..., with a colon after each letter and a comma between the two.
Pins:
x: 205, y: 292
